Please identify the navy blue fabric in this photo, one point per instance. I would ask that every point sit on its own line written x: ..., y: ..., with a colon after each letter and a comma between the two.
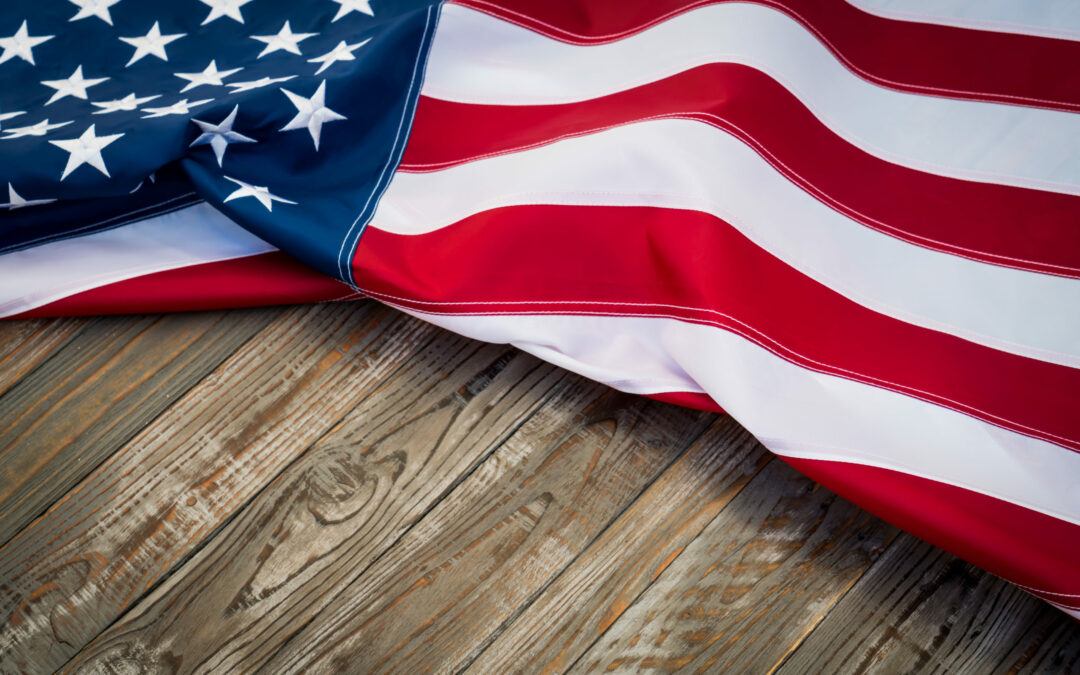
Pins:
x: 153, y: 167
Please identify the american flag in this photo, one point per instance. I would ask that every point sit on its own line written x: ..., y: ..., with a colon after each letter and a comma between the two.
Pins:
x: 853, y: 225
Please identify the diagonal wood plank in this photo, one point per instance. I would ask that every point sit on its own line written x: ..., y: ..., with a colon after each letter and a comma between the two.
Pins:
x: 95, y: 392
x: 748, y: 589
x: 556, y: 629
x: 921, y: 609
x: 25, y: 344
x: 332, y: 513
x: 1050, y: 645
x: 88, y: 558
x: 435, y: 598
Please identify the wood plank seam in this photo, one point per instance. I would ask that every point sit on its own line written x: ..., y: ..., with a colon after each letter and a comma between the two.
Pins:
x: 494, y: 393
x: 594, y: 449
x: 62, y: 326
x: 486, y: 644
x: 346, y: 354
x: 88, y: 468
x: 426, y: 511
x: 894, y: 541
x: 419, y: 521
x: 236, y: 513
x: 574, y: 664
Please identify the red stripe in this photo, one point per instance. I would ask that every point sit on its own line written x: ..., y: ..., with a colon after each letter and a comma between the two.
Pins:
x: 1036, y: 551
x: 688, y: 399
x: 693, y: 266
x: 904, y: 55
x: 1003, y: 225
x: 266, y: 279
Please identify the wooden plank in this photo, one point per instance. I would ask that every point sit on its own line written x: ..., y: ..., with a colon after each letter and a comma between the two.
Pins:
x: 73, y: 571
x: 920, y: 608
x: 93, y: 394
x: 556, y: 629
x: 25, y: 343
x: 435, y: 598
x: 331, y: 514
x: 1050, y: 645
x: 748, y: 589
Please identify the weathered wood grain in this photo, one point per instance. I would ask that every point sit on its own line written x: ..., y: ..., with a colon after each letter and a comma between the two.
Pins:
x: 350, y: 490
x: 24, y: 344
x: 920, y: 609
x: 75, y: 569
x: 750, y: 587
x: 94, y: 393
x: 449, y: 585
x: 552, y: 632
x: 331, y: 514
x: 1050, y: 645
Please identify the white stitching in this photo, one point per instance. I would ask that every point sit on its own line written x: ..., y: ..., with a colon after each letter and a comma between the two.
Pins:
x: 346, y: 270
x: 723, y: 124
x: 1069, y: 443
x: 70, y: 234
x: 562, y: 35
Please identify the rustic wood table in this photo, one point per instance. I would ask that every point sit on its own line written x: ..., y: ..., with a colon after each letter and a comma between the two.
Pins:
x: 342, y: 488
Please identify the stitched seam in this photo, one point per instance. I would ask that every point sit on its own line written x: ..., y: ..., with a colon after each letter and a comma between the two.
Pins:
x: 84, y: 284
x: 344, y: 265
x: 895, y: 312
x: 562, y: 35
x: 756, y: 336
x: 735, y: 130
x: 1039, y: 590
x: 348, y: 296
x: 929, y: 166
x: 1060, y: 605
x: 835, y: 284
x: 885, y: 308
x: 842, y: 455
x: 107, y: 224
x: 993, y: 25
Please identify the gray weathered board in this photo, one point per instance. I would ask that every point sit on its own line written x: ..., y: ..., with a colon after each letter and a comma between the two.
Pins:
x: 342, y: 488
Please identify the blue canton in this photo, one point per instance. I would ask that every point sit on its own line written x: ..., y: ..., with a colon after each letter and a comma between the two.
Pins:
x: 289, y: 117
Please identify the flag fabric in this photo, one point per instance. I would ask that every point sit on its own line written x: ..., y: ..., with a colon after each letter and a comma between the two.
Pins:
x: 853, y: 225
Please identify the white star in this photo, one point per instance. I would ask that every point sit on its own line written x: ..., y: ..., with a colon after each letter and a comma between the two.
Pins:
x: 151, y: 43
x: 98, y: 8
x: 126, y: 104
x: 17, y: 202
x: 285, y: 39
x: 265, y: 197
x: 40, y: 129
x: 220, y: 8
x: 85, y: 149
x: 218, y: 136
x: 311, y: 113
x: 21, y: 44
x: 7, y: 116
x: 211, y: 76
x: 178, y: 108
x: 255, y: 84
x: 349, y: 6
x: 343, y: 52
x: 73, y: 86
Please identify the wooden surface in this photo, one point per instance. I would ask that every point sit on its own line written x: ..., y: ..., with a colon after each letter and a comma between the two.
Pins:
x: 341, y: 488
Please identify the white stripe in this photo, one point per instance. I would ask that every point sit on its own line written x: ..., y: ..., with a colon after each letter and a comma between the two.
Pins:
x: 1048, y: 18
x: 794, y: 411
x: 480, y: 59
x: 197, y: 234
x: 690, y: 165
